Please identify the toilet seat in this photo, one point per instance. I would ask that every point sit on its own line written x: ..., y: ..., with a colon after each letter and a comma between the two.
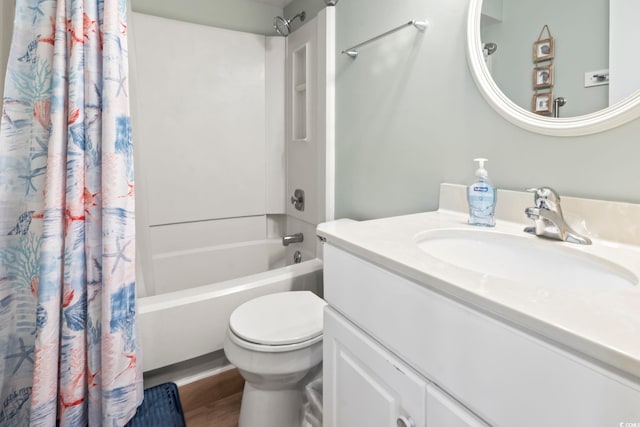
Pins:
x: 283, y: 321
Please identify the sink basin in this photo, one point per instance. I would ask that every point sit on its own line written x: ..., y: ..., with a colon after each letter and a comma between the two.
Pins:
x: 524, y: 259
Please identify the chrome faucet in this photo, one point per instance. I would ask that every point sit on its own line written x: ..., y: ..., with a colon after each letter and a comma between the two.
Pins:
x: 292, y: 238
x: 548, y: 218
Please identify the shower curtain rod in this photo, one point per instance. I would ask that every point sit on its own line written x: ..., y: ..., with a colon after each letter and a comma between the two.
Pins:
x: 353, y: 50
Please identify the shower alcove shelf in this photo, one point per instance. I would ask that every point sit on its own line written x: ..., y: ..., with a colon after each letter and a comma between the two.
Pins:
x: 299, y: 103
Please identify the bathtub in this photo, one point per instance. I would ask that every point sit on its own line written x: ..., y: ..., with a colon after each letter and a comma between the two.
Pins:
x: 194, y: 295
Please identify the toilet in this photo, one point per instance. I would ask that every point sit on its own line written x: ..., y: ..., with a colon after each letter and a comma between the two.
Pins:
x: 275, y: 341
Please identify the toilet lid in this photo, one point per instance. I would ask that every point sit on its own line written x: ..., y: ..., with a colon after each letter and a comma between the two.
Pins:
x: 279, y: 319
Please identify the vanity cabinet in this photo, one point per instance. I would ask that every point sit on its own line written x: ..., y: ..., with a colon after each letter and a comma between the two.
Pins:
x: 397, y: 352
x: 369, y: 386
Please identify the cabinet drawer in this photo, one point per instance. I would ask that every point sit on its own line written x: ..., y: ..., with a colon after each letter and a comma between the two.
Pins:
x: 507, y: 377
x: 365, y: 385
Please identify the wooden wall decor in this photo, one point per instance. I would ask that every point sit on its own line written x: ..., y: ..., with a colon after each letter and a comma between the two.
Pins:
x: 543, y: 72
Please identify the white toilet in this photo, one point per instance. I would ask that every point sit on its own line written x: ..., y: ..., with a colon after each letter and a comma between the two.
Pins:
x: 274, y: 341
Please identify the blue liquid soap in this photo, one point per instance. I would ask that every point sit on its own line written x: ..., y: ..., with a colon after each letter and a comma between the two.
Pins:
x: 481, y: 196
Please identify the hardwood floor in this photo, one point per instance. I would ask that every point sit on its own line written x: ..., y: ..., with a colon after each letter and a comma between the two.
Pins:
x: 214, y: 401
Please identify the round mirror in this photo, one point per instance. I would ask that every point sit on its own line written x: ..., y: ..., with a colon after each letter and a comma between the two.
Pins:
x: 517, y: 107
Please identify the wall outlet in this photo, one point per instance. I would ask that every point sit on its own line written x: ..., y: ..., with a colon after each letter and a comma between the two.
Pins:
x: 596, y: 78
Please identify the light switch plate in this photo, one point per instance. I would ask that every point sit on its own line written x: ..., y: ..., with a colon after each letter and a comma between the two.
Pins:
x: 596, y: 78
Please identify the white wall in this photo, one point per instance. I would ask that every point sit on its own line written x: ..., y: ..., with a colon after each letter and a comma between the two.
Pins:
x: 275, y: 117
x: 624, y: 63
x: 211, y: 149
x: 409, y: 116
x: 309, y: 126
x: 202, y: 108
x: 310, y: 7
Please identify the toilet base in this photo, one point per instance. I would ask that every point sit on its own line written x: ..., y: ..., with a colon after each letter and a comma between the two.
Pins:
x: 270, y: 408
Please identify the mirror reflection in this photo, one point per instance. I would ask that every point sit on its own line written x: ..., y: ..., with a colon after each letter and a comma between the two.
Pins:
x: 594, y: 64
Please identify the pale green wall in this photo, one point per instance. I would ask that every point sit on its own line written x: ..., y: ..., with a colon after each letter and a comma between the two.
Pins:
x: 240, y: 15
x: 409, y: 117
x: 582, y: 44
x: 7, y: 11
x: 311, y: 7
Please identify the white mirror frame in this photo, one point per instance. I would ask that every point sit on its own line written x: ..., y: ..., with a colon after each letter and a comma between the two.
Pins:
x: 622, y: 112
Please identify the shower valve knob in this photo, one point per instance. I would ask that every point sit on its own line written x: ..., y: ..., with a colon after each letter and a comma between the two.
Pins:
x: 297, y: 200
x: 405, y: 422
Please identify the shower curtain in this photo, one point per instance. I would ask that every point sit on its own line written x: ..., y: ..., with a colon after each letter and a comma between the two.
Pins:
x: 69, y: 351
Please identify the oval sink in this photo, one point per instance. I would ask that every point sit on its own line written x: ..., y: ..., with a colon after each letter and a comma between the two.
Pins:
x: 523, y: 259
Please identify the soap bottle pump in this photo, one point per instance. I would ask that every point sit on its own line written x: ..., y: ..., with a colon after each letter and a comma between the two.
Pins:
x: 481, y: 196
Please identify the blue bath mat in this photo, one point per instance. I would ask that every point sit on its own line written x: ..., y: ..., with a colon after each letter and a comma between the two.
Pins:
x: 161, y: 408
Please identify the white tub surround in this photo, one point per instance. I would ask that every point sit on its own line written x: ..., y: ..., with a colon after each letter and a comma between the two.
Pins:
x: 215, y: 161
x: 209, y: 123
x: 515, y: 353
x: 310, y: 117
x: 210, y: 167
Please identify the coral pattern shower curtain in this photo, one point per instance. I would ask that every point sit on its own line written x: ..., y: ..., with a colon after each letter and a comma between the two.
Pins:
x: 68, y: 343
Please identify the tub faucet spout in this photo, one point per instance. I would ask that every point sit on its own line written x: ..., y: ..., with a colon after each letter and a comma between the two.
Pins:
x: 292, y: 238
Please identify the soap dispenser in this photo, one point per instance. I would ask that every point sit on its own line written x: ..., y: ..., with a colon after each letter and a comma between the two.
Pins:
x: 481, y: 196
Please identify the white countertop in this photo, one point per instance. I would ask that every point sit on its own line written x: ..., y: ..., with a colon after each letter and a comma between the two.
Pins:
x: 601, y: 324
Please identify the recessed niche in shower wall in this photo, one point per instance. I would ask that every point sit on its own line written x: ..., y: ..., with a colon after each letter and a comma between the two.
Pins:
x: 299, y: 104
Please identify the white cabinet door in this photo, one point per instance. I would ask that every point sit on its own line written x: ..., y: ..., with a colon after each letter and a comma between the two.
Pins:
x: 444, y: 411
x: 364, y: 384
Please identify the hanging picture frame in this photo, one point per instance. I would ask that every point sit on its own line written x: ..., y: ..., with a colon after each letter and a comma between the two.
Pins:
x: 544, y: 48
x: 542, y: 103
x: 543, y: 77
